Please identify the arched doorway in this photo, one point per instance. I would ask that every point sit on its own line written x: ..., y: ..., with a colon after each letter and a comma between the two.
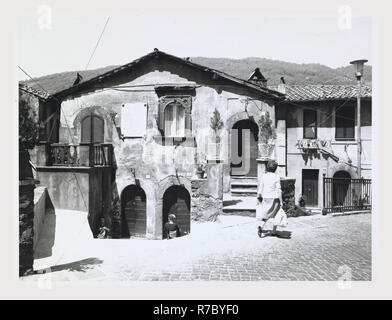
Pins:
x: 176, y: 200
x: 133, y: 212
x: 340, y: 188
x: 244, y: 150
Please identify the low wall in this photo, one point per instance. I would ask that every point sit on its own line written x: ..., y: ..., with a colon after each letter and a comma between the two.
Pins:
x: 26, y: 229
x: 42, y: 206
x: 80, y: 189
x: 67, y: 189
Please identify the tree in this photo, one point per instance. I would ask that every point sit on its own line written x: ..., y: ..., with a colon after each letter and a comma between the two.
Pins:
x: 28, y: 124
x: 266, y: 129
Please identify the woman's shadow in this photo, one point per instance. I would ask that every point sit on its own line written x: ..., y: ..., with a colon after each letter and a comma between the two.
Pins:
x: 283, y: 234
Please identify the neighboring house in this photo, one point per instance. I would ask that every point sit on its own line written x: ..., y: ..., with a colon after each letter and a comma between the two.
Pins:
x: 126, y: 144
x: 320, y: 140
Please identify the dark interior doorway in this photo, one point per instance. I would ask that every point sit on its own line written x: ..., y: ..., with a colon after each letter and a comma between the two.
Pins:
x: 340, y: 187
x: 133, y: 212
x: 176, y: 200
x: 310, y: 181
x: 244, y: 149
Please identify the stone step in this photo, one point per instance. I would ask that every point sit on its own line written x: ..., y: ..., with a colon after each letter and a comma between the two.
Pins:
x: 243, y: 192
x: 249, y: 180
x: 239, y: 206
x: 242, y: 213
x: 241, y: 184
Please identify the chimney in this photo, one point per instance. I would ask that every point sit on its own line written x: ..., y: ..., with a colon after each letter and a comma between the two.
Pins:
x: 282, y: 85
x: 257, y: 78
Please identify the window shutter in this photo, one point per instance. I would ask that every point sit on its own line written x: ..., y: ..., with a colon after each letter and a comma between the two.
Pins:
x: 98, y: 127
x: 86, y: 129
x: 133, y: 119
x: 161, y: 116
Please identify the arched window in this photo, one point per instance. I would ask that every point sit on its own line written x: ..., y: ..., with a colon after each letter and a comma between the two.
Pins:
x: 92, y: 129
x: 174, y: 120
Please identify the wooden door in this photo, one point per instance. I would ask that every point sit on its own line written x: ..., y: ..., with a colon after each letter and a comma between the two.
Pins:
x: 310, y: 187
x: 176, y: 200
x: 133, y: 200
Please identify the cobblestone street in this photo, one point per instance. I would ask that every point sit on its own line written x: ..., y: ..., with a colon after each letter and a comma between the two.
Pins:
x: 320, y: 248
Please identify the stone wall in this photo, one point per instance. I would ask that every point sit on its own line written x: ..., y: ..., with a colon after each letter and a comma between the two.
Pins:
x: 204, y: 207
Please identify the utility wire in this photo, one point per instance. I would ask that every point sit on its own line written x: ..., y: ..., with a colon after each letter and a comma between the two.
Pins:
x: 96, y: 46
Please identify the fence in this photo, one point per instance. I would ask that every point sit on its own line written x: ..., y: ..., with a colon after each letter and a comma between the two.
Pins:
x: 344, y: 194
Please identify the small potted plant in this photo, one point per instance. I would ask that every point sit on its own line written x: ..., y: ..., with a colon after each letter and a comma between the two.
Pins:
x: 216, y: 124
x: 267, y: 136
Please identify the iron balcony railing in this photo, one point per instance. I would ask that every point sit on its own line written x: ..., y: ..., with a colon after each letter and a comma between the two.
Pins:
x: 90, y: 155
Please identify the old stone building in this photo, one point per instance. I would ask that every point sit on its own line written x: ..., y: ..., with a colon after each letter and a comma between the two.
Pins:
x: 131, y: 145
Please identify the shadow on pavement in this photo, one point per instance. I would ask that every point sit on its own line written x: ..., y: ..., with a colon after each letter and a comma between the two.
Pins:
x: 80, y: 266
x: 279, y: 234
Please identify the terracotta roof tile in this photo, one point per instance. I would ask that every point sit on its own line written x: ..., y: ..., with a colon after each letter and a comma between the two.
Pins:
x: 324, y: 92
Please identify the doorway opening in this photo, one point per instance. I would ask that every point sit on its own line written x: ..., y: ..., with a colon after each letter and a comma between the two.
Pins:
x: 176, y: 200
x: 244, y: 149
x: 133, y: 212
x: 310, y: 182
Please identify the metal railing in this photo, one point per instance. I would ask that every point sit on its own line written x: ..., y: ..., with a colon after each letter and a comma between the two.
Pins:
x: 344, y: 194
x: 63, y: 155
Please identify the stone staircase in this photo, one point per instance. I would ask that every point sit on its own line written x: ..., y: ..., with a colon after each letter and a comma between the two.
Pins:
x: 242, y: 197
x: 243, y: 186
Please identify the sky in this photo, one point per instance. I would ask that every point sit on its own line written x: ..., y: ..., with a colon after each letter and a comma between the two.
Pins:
x: 49, y: 42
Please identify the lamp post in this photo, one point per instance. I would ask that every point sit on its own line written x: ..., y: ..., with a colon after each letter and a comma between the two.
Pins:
x: 358, y: 65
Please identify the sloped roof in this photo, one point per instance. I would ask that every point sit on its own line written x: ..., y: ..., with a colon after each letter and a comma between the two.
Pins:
x: 324, y: 92
x: 85, y: 85
x: 35, y: 92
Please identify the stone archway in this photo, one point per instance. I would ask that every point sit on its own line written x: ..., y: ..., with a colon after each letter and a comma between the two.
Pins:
x: 163, y: 186
x: 133, y: 212
x: 177, y: 201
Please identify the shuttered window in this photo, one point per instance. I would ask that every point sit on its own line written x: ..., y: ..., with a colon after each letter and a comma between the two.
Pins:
x: 345, y: 123
x: 310, y: 124
x: 174, y: 120
x: 92, y: 129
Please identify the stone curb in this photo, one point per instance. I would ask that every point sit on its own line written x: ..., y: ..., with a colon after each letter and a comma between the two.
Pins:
x: 349, y: 213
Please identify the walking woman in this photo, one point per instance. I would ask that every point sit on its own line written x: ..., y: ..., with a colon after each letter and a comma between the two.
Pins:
x: 269, y: 195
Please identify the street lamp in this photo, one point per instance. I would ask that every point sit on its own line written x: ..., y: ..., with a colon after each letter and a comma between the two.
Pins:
x: 358, y: 65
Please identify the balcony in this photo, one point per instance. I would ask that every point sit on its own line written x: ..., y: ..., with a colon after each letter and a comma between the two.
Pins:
x: 83, y: 155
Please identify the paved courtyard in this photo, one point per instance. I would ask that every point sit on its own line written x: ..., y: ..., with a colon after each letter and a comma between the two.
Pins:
x: 320, y: 248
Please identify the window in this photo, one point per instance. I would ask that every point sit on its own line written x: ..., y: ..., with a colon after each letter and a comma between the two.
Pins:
x: 95, y: 125
x: 310, y: 124
x: 174, y: 120
x: 345, y: 122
